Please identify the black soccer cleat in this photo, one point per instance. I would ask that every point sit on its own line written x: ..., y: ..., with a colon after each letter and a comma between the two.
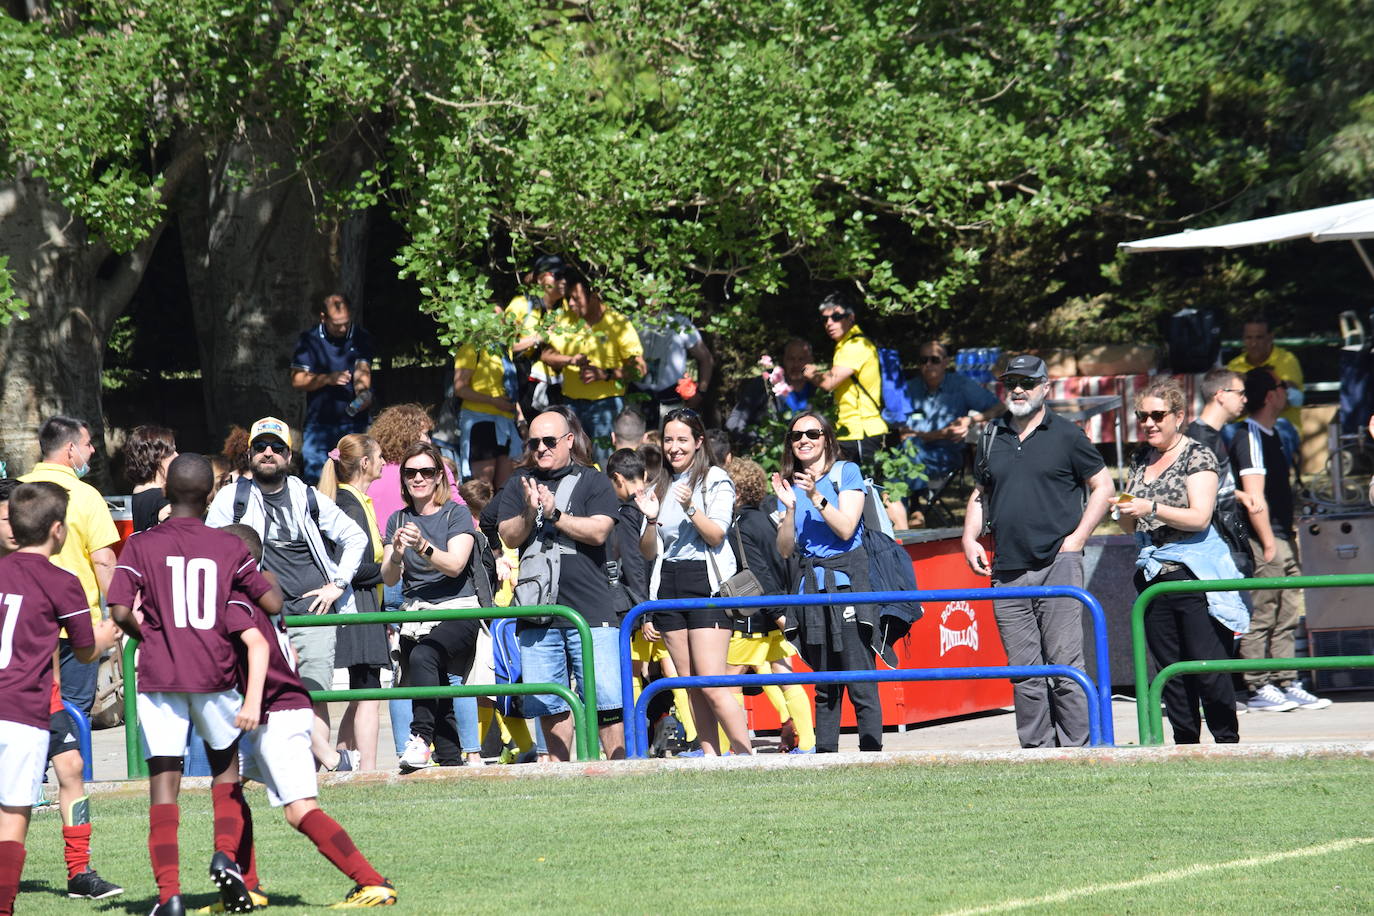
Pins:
x: 90, y: 886
x: 233, y: 890
x: 171, y: 907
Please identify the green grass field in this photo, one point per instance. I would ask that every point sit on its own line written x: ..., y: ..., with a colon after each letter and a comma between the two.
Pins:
x: 1177, y: 836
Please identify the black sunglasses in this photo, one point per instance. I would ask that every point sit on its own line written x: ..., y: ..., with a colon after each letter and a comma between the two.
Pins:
x: 426, y: 473
x: 833, y: 316
x: 929, y: 360
x: 678, y: 413
x: 548, y: 442
x: 812, y: 434
x: 263, y: 445
x: 1023, y: 382
x: 1157, y: 415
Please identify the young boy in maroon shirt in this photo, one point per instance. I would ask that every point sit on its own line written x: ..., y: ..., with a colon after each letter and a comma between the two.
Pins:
x: 36, y: 601
x: 184, y: 572
x: 277, y: 753
x: 64, y: 751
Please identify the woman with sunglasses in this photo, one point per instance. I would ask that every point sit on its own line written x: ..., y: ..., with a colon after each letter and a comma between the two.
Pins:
x: 1169, y: 505
x: 688, y: 516
x: 429, y: 543
x: 823, y: 503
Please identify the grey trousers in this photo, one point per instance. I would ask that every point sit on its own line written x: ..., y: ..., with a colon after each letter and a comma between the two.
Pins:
x: 1050, y: 712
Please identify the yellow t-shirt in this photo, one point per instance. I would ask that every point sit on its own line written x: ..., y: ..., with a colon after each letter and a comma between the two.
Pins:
x: 859, y: 415
x: 1285, y: 366
x: 89, y: 527
x: 609, y: 344
x: 488, y: 377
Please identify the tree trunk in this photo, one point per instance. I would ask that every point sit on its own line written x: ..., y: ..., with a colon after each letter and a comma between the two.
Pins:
x: 260, y: 257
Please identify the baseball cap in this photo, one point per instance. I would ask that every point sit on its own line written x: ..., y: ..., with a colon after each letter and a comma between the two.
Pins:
x: 271, y: 426
x: 546, y: 263
x: 1026, y: 365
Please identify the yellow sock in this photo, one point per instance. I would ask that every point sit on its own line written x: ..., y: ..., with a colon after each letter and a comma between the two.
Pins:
x: 799, y: 705
x: 505, y: 729
x: 520, y: 733
x: 684, y: 714
x: 774, y: 694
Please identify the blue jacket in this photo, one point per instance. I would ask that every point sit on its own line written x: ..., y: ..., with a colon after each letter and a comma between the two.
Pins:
x: 1207, y: 557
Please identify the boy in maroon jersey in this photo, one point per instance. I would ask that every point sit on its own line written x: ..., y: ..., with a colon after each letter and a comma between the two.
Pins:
x: 277, y: 753
x: 65, y: 753
x: 36, y: 600
x: 184, y: 572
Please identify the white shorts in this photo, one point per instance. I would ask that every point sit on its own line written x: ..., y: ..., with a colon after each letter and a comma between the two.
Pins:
x: 23, y: 758
x: 165, y: 719
x: 277, y: 754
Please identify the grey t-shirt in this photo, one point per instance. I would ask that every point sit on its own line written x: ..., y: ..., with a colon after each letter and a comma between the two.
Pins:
x: 419, y: 579
x: 285, y: 552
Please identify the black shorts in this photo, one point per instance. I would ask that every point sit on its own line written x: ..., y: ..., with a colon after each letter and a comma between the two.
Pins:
x: 688, y: 579
x: 62, y: 734
x: 482, y: 445
x: 863, y: 452
x: 364, y: 677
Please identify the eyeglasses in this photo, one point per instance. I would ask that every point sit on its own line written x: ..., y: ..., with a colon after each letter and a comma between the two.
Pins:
x: 1234, y: 390
x: 547, y: 441
x: 426, y: 473
x: 1157, y: 415
x: 797, y: 434
x: 1025, y: 383
x: 263, y: 445
x: 929, y: 360
x: 833, y: 316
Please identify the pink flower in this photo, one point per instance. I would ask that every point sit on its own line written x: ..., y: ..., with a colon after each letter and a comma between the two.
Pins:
x: 777, y: 379
x: 686, y: 388
x: 766, y: 361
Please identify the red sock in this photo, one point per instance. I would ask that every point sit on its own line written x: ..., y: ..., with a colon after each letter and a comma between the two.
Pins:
x: 334, y: 844
x: 11, y: 866
x: 163, y: 852
x: 228, y: 806
x: 76, y: 848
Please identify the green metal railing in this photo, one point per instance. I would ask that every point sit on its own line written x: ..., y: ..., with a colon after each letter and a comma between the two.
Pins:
x: 1148, y: 717
x: 583, y: 709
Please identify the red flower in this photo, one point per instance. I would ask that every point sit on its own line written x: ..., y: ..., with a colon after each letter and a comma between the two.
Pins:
x: 686, y: 388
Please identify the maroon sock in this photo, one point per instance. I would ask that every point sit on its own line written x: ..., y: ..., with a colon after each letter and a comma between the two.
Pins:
x: 334, y: 844
x: 163, y: 822
x: 11, y: 866
x: 228, y: 807
x: 76, y: 848
x: 246, y: 857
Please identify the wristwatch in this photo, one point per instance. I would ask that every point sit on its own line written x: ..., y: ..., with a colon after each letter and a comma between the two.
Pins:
x: 822, y: 504
x: 428, y: 551
x: 691, y: 511
x: 557, y: 514
x: 340, y: 584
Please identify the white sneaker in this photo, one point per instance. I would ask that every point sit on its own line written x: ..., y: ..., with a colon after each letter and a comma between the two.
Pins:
x: 1269, y: 699
x: 1295, y: 692
x: 416, y: 755
x: 473, y: 760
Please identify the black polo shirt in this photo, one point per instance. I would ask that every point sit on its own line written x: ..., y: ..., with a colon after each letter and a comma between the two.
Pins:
x: 1256, y: 450
x: 1033, y: 490
x: 582, y: 583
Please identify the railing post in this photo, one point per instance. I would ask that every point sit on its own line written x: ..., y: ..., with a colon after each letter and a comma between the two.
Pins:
x: 134, y: 764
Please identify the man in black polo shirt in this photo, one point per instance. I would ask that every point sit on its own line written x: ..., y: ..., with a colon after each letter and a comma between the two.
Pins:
x: 1031, y: 470
x: 564, y: 526
x: 1262, y: 470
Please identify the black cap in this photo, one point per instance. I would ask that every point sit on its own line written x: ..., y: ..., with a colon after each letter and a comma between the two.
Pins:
x: 546, y: 263
x: 1026, y: 365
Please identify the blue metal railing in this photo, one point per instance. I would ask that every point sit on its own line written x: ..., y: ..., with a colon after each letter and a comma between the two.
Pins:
x: 83, y: 738
x: 1099, y: 695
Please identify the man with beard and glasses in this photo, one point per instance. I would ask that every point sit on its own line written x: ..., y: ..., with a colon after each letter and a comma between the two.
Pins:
x: 1031, y: 470
x: 293, y: 519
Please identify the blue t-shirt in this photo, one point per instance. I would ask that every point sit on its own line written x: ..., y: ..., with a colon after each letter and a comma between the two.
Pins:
x: 814, y: 537
x: 932, y: 410
x: 798, y: 399
x: 317, y: 352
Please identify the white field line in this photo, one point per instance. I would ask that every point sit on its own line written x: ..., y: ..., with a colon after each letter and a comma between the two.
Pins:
x: 1176, y: 875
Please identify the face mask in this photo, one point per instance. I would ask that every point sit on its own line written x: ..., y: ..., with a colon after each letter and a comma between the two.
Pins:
x: 1294, y: 397
x: 83, y: 470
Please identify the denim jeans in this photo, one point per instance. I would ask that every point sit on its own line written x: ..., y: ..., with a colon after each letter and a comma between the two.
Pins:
x: 319, y: 439
x: 598, y: 419
x: 545, y: 653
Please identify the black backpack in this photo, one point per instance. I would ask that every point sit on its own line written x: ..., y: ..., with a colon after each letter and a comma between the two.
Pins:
x: 1194, y: 337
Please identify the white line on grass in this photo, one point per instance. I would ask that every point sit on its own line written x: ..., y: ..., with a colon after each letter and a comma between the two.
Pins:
x: 1163, y: 877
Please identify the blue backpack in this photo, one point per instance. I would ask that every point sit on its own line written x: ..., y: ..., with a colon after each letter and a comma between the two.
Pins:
x: 894, y: 406
x: 505, y: 649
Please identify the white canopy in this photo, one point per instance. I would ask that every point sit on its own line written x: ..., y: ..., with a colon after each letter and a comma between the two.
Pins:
x: 1341, y: 222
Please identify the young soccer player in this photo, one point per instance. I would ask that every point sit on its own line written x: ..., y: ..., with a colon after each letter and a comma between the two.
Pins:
x: 65, y: 753
x: 277, y: 754
x: 36, y: 600
x: 184, y: 572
